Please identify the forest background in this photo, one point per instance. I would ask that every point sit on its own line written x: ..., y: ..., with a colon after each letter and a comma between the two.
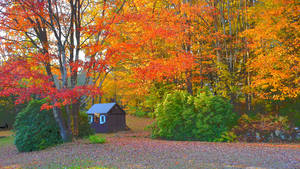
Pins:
x: 77, y: 53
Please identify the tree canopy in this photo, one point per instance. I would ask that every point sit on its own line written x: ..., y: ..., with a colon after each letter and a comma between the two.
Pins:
x: 81, y: 52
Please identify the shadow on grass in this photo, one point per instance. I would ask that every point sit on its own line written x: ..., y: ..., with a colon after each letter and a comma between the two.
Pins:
x: 6, y: 138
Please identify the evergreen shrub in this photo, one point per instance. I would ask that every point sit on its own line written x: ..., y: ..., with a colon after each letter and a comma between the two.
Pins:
x: 35, y: 129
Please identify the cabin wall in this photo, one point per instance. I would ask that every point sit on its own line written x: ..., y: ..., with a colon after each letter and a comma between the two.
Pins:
x: 117, y: 119
x: 100, y: 128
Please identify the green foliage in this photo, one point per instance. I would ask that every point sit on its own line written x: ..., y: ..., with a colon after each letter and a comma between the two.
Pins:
x: 291, y: 109
x: 139, y: 112
x: 184, y: 117
x: 4, y: 141
x: 227, y: 136
x: 95, y: 139
x: 35, y: 129
x: 7, y: 114
x: 84, y: 127
x: 174, y: 117
x: 156, y: 94
x: 263, y: 128
x: 215, y: 116
x: 288, y: 107
x: 8, y: 110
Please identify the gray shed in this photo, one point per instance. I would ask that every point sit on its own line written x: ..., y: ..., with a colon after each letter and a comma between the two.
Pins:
x: 107, y: 117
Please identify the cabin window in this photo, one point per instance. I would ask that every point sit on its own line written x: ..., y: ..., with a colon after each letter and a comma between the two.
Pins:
x: 90, y: 118
x: 102, y: 119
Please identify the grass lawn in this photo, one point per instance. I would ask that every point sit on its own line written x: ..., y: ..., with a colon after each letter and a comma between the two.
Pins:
x: 139, y: 127
x: 4, y: 141
x: 134, y: 149
x: 136, y: 125
x: 6, y: 138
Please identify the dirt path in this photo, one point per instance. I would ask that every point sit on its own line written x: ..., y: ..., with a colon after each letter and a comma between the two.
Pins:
x: 138, y: 152
x: 133, y: 150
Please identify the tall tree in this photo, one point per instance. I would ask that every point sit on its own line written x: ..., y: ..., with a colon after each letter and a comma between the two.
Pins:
x: 174, y: 38
x: 274, y: 43
x: 47, y: 45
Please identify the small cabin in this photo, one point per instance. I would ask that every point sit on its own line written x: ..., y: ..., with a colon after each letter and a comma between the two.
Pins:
x: 107, y: 117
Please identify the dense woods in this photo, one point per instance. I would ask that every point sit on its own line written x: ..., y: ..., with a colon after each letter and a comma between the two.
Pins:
x: 76, y: 53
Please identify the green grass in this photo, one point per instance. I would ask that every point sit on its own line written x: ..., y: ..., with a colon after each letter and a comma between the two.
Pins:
x: 80, y: 167
x: 4, y: 141
x: 6, y: 138
x: 77, y: 163
x: 96, y: 139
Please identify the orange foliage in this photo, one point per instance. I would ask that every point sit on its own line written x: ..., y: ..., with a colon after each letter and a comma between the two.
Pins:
x: 275, y: 44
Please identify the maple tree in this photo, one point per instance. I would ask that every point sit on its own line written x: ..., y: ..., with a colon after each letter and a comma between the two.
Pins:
x: 48, y: 45
x: 274, y: 41
x: 174, y: 41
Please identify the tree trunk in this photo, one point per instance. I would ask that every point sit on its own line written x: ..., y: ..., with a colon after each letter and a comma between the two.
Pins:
x: 75, y: 114
x: 189, y: 84
x: 68, y: 120
x: 65, y: 133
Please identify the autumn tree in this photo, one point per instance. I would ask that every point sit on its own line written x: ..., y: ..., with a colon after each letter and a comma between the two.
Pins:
x: 47, y: 46
x: 174, y: 40
x: 274, y: 43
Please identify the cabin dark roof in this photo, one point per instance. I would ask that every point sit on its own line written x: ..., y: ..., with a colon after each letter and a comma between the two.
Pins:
x: 101, y: 108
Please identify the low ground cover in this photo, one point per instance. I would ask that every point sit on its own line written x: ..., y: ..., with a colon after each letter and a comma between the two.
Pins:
x: 134, y: 149
x: 6, y: 140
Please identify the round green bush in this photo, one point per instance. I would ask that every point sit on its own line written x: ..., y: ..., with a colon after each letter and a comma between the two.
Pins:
x: 202, y: 117
x: 215, y: 116
x: 35, y: 129
x: 174, y: 117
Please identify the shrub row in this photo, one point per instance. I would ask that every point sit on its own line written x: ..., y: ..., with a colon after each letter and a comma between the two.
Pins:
x: 206, y: 117
x: 202, y: 117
